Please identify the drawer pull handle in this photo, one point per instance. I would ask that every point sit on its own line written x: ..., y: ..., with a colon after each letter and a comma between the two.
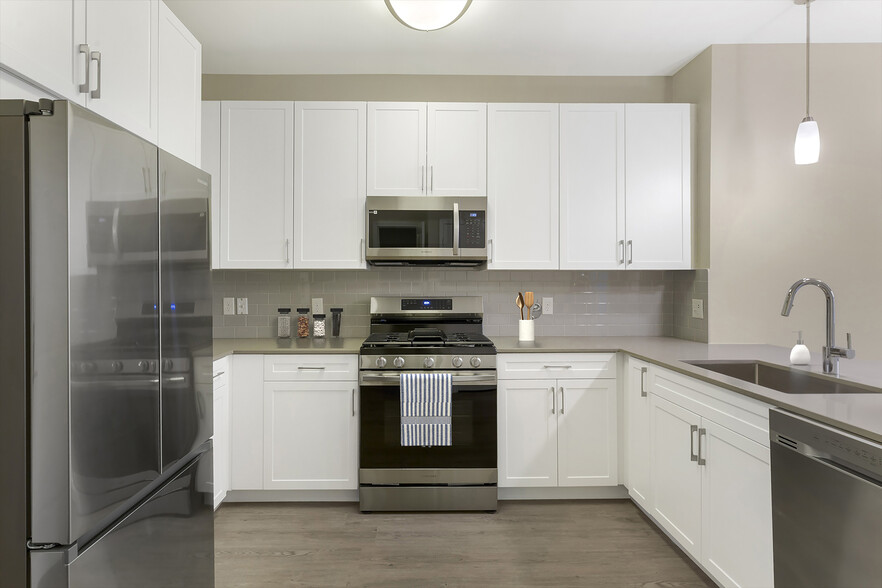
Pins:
x: 311, y: 367
x: 219, y: 374
x: 557, y: 367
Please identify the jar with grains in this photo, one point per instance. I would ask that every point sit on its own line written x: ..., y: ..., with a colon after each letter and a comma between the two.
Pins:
x: 318, y: 325
x: 303, y: 322
x: 284, y: 323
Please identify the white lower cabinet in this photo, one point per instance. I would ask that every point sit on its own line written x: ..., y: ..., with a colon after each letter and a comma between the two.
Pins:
x: 555, y: 430
x: 638, y: 442
x: 294, y: 429
x: 711, y: 484
x: 310, y: 435
x: 221, y: 388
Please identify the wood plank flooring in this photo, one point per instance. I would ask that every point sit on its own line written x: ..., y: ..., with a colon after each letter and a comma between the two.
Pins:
x: 531, y: 543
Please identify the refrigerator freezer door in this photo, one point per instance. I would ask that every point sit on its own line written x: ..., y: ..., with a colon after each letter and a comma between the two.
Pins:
x: 95, y: 441
x: 167, y: 541
x: 185, y: 278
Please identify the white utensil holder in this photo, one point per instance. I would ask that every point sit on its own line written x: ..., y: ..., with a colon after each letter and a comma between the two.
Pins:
x: 526, y: 331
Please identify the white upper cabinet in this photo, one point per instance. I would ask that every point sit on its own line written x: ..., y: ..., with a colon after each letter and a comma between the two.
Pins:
x: 257, y: 185
x: 457, y: 149
x: 123, y: 39
x: 592, y: 186
x: 658, y: 184
x: 211, y: 162
x: 180, y: 88
x: 419, y: 149
x: 329, y: 188
x: 522, y: 186
x: 40, y: 41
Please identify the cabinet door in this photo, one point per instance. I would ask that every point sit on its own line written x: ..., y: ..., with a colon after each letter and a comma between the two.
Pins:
x: 246, y: 423
x: 587, y: 431
x: 676, y: 476
x: 658, y: 172
x: 211, y: 162
x: 221, y: 437
x: 638, y: 439
x: 736, y: 506
x: 310, y: 435
x: 457, y: 149
x: 592, y: 186
x: 180, y: 88
x: 257, y: 184
x: 40, y: 42
x: 522, y: 186
x: 329, y: 184
x: 527, y: 434
x: 126, y: 36
x: 396, y: 152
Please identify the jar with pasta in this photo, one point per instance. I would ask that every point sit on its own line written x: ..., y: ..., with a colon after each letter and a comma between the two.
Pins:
x: 318, y: 326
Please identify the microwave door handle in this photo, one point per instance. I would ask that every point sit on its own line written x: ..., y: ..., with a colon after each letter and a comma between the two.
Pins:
x: 456, y: 228
x: 114, y: 231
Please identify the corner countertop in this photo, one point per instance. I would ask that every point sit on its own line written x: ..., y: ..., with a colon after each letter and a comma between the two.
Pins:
x: 858, y: 413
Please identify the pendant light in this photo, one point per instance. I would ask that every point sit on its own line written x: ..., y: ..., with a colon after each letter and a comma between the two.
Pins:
x: 427, y: 15
x: 807, y: 147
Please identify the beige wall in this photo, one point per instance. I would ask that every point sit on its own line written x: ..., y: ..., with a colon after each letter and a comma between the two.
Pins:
x: 771, y: 221
x: 437, y: 88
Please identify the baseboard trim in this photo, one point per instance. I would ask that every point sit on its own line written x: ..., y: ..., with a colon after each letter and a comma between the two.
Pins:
x: 567, y: 493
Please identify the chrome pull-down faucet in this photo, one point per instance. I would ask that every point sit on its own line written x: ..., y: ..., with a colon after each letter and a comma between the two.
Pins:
x: 831, y: 352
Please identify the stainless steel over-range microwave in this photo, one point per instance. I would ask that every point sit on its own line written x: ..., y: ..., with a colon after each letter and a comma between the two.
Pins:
x: 426, y: 230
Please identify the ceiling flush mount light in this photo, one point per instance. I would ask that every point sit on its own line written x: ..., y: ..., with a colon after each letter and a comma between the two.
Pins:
x: 807, y: 147
x: 427, y: 15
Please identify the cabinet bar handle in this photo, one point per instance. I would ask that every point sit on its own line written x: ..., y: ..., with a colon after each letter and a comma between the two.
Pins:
x: 361, y: 249
x: 643, y: 382
x: 630, y: 252
x: 311, y: 367
x: 84, y: 50
x: 287, y: 253
x: 553, y: 401
x: 219, y: 374
x: 622, y: 252
x: 96, y: 93
x: 558, y: 367
x: 692, y: 430
x: 490, y: 246
x: 431, y: 178
x: 422, y: 178
x: 563, y: 403
x: 353, y: 402
x: 701, y: 433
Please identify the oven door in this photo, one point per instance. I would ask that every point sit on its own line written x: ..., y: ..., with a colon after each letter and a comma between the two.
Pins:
x: 430, y: 229
x: 471, y: 459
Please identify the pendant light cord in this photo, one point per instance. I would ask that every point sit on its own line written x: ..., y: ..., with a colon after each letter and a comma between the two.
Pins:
x: 808, y: 21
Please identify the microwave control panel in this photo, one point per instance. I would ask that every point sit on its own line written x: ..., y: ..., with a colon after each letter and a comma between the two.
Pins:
x: 472, y: 224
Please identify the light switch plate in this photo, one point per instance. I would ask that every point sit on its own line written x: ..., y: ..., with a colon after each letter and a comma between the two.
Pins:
x: 230, y: 305
x: 697, y: 308
x: 241, y: 306
x: 318, y: 306
x: 547, y: 305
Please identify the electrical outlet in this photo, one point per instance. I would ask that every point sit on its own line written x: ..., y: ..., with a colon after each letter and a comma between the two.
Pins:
x: 318, y: 306
x: 547, y: 305
x: 229, y: 305
x: 697, y: 308
x: 241, y: 306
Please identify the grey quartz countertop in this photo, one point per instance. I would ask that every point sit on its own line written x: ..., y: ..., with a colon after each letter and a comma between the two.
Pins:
x: 223, y: 347
x: 859, y: 413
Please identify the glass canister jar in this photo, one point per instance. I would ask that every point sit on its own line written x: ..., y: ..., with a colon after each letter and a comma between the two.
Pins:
x: 302, y: 322
x: 284, y: 324
x: 318, y: 325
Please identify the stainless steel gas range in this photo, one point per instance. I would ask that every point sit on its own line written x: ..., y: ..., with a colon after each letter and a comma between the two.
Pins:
x: 428, y: 335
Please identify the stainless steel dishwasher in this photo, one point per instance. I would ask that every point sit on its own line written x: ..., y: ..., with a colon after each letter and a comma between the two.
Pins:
x: 826, y: 505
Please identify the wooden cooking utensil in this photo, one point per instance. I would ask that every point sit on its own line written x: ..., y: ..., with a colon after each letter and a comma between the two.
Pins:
x: 528, y: 302
x: 520, y: 302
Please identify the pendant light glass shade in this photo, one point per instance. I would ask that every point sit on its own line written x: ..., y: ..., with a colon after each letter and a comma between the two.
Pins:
x: 427, y: 15
x: 807, y: 147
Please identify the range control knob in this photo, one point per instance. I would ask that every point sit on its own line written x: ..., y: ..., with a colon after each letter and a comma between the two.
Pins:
x: 475, y: 362
x: 398, y: 362
x: 429, y: 362
x: 457, y: 361
x: 144, y: 366
x: 381, y: 362
x: 117, y: 366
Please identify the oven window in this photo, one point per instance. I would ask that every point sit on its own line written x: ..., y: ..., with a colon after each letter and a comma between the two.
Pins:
x: 427, y: 229
x: 473, y: 421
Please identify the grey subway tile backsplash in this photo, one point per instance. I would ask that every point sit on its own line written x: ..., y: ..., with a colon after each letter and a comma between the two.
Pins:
x: 586, y: 303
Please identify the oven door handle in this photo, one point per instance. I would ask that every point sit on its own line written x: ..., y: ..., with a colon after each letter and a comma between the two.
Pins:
x: 386, y: 378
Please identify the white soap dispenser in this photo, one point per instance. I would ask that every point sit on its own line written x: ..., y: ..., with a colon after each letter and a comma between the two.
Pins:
x: 800, y: 354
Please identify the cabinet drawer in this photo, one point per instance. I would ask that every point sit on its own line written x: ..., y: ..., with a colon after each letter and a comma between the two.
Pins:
x: 305, y: 368
x: 561, y: 366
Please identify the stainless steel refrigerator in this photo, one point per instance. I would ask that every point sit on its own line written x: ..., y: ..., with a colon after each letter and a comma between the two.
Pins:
x: 105, y: 356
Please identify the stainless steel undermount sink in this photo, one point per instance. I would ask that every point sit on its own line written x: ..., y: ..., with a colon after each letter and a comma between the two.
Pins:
x: 780, y: 378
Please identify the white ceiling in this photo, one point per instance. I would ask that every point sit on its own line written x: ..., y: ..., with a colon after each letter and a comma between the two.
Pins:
x: 505, y: 37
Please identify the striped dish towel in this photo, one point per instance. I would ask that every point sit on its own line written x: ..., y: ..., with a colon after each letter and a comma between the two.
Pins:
x: 425, y: 409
